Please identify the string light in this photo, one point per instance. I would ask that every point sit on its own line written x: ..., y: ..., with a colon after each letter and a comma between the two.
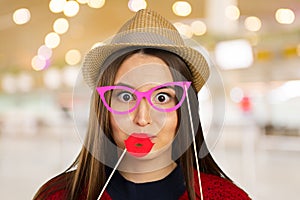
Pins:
x: 96, y: 3
x: 57, y: 6
x: 52, y: 40
x: 21, y: 16
x: 38, y: 63
x: 61, y: 26
x: 71, y: 8
x: 82, y: 1
x: 45, y: 52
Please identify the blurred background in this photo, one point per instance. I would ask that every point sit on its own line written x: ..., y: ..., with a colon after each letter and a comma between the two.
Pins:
x: 255, y: 46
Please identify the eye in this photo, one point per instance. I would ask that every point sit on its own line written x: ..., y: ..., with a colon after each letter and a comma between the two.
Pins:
x: 125, y: 96
x: 162, y: 98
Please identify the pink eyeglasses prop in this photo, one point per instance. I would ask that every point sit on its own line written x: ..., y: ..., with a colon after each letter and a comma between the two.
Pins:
x: 121, y: 99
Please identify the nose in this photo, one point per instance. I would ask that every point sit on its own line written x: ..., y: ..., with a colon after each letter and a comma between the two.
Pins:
x: 142, y: 114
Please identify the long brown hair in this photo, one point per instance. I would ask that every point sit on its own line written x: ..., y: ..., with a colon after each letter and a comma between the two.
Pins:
x: 89, y: 175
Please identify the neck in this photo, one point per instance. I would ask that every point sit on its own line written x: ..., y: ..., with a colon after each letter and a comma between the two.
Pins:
x: 153, y: 167
x: 149, y: 176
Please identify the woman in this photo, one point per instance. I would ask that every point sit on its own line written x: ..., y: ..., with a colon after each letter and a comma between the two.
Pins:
x: 144, y: 131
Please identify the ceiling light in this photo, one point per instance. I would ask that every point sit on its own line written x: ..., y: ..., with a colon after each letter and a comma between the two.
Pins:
x: 252, y: 23
x: 232, y: 12
x: 234, y: 54
x: 198, y: 27
x: 136, y: 5
x: 182, y: 8
x: 285, y: 16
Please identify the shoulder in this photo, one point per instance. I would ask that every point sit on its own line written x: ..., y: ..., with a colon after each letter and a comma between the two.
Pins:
x: 215, y: 187
x: 55, y: 188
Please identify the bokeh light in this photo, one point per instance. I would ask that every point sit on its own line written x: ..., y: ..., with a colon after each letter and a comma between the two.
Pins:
x: 136, y: 5
x: 198, y: 27
x: 298, y: 49
x: 234, y: 54
x: 71, y: 8
x: 236, y: 94
x: 21, y: 16
x: 73, y: 57
x: 52, y: 40
x: 96, y: 3
x: 232, y: 12
x: 285, y: 16
x: 57, y: 6
x: 252, y: 23
x: 69, y: 75
x: 38, y: 63
x: 184, y: 29
x: 82, y: 1
x: 182, y: 8
x: 61, y: 26
x: 8, y: 83
x: 45, y: 52
x: 24, y: 82
x: 52, y: 78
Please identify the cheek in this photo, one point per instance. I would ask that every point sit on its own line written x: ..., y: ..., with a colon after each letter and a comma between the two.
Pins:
x: 171, y: 125
x: 117, y: 134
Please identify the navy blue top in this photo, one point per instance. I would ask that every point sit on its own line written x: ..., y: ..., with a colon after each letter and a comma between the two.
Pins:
x: 171, y: 187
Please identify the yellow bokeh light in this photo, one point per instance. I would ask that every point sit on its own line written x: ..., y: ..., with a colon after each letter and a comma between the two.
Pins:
x: 285, y: 16
x: 57, y: 6
x: 82, y: 1
x: 71, y: 8
x: 21, y: 16
x: 198, y: 27
x: 252, y: 23
x: 298, y: 50
x: 61, y: 26
x: 96, y: 3
x: 136, y: 5
x: 52, y: 40
x: 73, y: 57
x: 182, y: 8
x: 232, y: 12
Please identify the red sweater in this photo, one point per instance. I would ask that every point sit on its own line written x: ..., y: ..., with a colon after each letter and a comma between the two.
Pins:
x: 213, y: 187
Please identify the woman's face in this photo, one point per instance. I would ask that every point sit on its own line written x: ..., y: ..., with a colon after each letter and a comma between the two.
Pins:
x: 142, y: 72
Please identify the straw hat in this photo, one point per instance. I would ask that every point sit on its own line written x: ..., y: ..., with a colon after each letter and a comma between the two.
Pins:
x: 147, y: 29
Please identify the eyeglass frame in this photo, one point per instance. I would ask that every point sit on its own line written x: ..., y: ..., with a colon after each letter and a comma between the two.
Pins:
x: 140, y: 95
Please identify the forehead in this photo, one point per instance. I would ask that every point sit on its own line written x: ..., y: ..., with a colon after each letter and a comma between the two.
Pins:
x: 140, y: 69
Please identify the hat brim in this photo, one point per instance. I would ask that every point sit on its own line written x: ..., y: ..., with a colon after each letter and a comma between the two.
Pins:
x: 95, y: 58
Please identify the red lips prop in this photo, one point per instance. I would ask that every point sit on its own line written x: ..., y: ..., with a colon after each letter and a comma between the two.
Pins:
x: 138, y: 145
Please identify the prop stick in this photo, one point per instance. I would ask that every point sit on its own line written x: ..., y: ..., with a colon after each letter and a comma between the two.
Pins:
x: 194, y: 143
x: 112, y: 173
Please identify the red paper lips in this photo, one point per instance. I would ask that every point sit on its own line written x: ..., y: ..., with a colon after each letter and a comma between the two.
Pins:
x: 138, y: 145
